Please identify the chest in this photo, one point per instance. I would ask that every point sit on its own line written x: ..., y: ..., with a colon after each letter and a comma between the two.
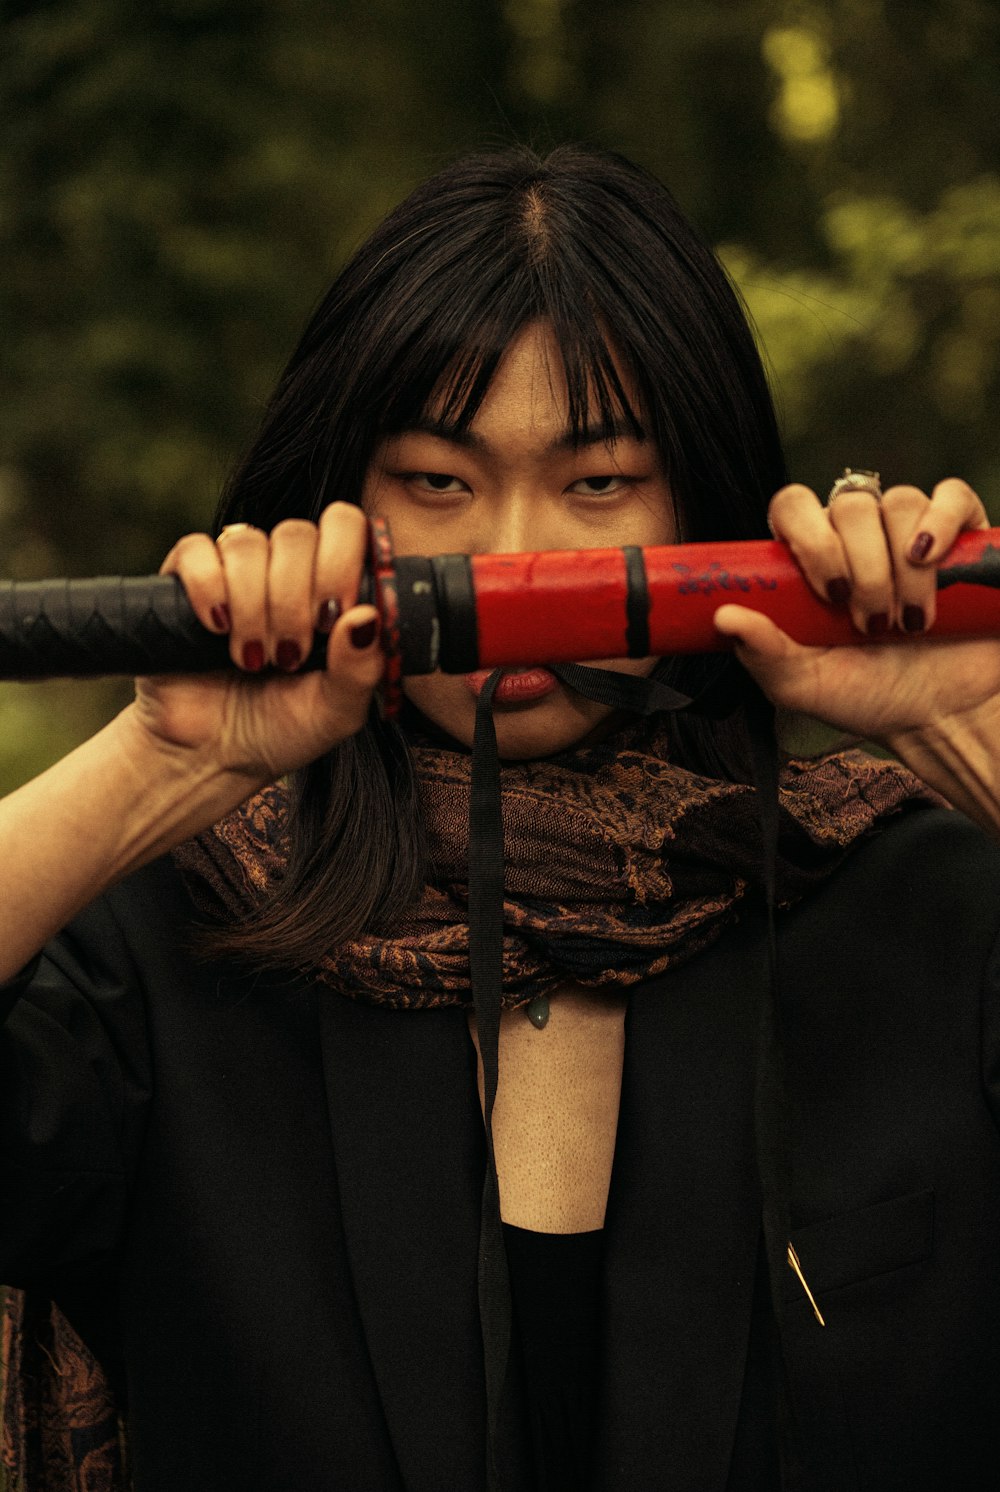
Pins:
x: 555, y: 1119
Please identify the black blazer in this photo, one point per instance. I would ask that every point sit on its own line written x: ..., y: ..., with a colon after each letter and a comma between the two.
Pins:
x: 258, y: 1201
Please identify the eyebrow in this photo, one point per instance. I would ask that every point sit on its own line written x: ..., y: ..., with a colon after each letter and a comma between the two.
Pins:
x: 606, y: 433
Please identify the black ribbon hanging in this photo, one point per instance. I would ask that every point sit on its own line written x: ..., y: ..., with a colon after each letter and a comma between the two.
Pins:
x: 486, y: 968
x: 644, y: 696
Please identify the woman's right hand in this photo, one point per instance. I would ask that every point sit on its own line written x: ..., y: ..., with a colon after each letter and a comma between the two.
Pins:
x: 189, y: 749
x: 270, y: 593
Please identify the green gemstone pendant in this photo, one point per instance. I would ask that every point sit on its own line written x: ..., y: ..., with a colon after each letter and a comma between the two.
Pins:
x: 538, y: 1011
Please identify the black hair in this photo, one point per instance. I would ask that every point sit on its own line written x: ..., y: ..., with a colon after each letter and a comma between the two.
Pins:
x: 423, y: 312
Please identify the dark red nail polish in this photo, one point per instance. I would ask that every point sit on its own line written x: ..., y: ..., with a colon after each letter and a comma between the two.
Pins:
x: 913, y: 619
x: 253, y: 656
x: 289, y: 655
x: 839, y: 590
x: 878, y: 625
x: 921, y: 547
x: 221, y: 618
x: 328, y: 614
x: 364, y: 635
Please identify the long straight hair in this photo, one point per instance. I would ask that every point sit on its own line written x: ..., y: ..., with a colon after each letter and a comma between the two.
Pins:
x: 421, y: 315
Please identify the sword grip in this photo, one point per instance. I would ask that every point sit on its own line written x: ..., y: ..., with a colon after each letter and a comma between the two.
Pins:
x: 107, y: 626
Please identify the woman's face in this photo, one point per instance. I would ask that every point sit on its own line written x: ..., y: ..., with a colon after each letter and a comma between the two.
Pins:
x: 515, y: 482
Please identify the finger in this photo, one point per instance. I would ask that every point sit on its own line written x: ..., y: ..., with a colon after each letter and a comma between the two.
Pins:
x: 857, y: 520
x: 340, y: 558
x: 954, y: 507
x: 755, y: 632
x: 904, y: 513
x: 196, y: 561
x: 780, y: 666
x: 355, y: 663
x: 243, y: 551
x: 797, y: 516
x: 291, y: 618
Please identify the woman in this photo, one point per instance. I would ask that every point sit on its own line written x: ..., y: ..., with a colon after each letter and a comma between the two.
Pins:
x: 244, y: 1151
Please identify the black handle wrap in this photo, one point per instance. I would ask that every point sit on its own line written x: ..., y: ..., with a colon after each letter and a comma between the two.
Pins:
x: 111, y: 625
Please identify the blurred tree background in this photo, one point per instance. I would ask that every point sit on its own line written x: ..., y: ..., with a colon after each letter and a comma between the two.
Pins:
x: 180, y: 179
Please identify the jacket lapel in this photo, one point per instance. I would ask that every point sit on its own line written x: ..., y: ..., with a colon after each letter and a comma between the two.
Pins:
x: 681, y: 1233
x: 683, y: 1225
x: 409, y: 1149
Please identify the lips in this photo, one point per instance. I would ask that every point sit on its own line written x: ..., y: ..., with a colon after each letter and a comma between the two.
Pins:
x: 516, y: 686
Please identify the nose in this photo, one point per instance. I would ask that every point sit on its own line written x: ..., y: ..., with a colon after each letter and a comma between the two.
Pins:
x: 517, y: 523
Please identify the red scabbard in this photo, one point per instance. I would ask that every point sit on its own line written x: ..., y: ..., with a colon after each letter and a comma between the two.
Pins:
x: 571, y: 605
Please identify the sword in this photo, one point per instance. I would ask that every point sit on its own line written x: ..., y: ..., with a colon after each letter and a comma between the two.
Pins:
x: 460, y: 612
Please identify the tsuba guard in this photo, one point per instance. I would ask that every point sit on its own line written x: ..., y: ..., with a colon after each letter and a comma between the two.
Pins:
x: 386, y: 598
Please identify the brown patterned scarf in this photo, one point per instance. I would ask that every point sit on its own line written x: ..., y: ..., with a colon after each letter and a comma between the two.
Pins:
x: 60, y: 1430
x: 618, y: 864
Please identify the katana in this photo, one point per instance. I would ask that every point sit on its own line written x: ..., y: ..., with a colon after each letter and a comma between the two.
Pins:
x: 461, y: 612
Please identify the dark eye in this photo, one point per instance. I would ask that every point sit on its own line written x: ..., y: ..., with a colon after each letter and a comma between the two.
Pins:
x: 435, y: 481
x: 598, y: 486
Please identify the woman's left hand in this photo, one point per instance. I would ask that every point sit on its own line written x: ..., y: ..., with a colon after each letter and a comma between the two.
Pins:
x: 879, y: 559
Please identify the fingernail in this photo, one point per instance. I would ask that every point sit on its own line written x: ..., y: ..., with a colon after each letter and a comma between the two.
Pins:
x: 921, y: 547
x: 328, y: 614
x: 913, y: 618
x: 839, y: 590
x: 253, y: 656
x: 221, y: 618
x: 878, y: 625
x: 363, y: 635
x: 289, y: 655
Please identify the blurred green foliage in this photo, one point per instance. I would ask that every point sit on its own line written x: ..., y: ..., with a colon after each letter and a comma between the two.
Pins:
x: 179, y: 180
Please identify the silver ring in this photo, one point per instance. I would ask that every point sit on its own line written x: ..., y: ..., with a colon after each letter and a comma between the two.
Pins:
x: 856, y: 481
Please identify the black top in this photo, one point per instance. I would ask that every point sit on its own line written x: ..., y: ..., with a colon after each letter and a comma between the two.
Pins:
x: 555, y: 1284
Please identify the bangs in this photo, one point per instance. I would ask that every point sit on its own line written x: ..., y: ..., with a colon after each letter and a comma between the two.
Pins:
x: 592, y: 381
x: 452, y: 360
